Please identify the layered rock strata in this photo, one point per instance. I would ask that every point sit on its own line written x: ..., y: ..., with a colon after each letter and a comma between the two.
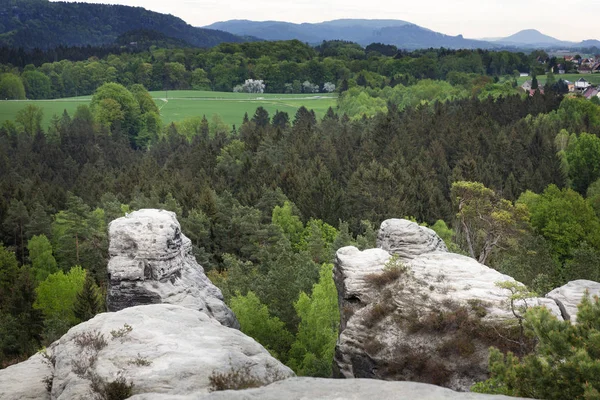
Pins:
x: 151, y: 262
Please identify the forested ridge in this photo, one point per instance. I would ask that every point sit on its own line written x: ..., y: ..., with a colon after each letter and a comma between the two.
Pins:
x: 283, y: 66
x: 43, y: 24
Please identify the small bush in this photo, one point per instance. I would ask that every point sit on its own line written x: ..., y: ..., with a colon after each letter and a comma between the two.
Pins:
x: 460, y: 345
x: 140, y: 361
x: 234, y: 379
x: 119, y: 389
x: 373, y: 346
x: 121, y: 333
x: 393, y: 270
x: 375, y: 314
x: 48, y: 381
x: 91, y: 340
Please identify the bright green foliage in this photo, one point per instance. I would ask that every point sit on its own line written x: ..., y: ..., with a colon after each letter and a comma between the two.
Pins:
x: 583, y: 158
x: 57, y: 294
x: 565, y: 364
x: 485, y: 219
x: 37, y: 85
x: 317, y: 239
x: 447, y: 235
x: 564, y: 218
x: 78, y: 235
x: 312, y: 352
x: 579, y: 113
x: 256, y: 322
x: 11, y: 87
x: 42, y: 260
x: 358, y: 101
x: 290, y: 224
x: 114, y: 105
x: 30, y: 119
x: 199, y: 80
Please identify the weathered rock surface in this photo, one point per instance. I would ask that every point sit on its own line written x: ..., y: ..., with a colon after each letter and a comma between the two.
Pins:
x: 151, y: 262
x: 336, y: 389
x: 571, y: 294
x: 407, y: 239
x: 170, y: 349
x: 25, y: 380
x: 433, y: 324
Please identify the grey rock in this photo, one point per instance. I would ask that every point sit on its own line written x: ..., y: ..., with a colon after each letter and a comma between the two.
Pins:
x: 408, y: 239
x: 570, y: 295
x: 170, y: 350
x: 381, y: 327
x: 336, y: 389
x: 151, y: 262
x: 26, y: 380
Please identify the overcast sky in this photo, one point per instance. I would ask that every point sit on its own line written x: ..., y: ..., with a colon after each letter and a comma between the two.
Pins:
x: 561, y: 19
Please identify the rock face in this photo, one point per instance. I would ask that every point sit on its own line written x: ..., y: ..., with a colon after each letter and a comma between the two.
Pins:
x: 336, y: 389
x: 407, y: 239
x: 424, y: 315
x: 570, y: 295
x: 168, y: 349
x: 151, y: 262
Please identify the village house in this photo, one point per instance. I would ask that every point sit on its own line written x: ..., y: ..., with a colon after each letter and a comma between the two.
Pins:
x: 591, y: 92
x: 581, y: 85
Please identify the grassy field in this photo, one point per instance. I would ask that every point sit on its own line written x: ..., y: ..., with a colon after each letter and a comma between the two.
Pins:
x: 176, y: 105
x: 591, y: 78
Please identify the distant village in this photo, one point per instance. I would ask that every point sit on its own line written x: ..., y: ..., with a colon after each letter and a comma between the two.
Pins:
x: 572, y: 64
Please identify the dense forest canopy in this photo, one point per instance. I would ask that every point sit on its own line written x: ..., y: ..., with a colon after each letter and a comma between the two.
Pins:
x: 43, y: 24
x: 442, y: 137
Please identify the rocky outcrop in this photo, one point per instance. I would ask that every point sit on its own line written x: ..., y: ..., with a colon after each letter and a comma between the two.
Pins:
x: 151, y: 262
x: 336, y: 389
x: 410, y: 310
x: 407, y: 239
x: 570, y: 295
x: 160, y: 349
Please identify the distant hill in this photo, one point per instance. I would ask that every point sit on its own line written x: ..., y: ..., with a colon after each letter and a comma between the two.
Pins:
x: 43, y: 24
x: 590, y: 43
x: 362, y: 31
x: 532, y: 38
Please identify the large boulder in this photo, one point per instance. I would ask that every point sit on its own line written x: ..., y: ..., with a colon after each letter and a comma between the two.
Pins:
x: 160, y: 349
x: 418, y: 312
x: 151, y: 262
x: 336, y: 389
x: 570, y: 295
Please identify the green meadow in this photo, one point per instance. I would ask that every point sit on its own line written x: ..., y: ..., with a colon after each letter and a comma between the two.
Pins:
x: 591, y: 78
x: 176, y: 105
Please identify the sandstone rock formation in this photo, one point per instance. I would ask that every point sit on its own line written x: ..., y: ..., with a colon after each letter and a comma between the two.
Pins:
x: 570, y: 295
x: 336, y: 389
x: 410, y: 310
x: 151, y: 262
x: 407, y: 239
x: 160, y: 348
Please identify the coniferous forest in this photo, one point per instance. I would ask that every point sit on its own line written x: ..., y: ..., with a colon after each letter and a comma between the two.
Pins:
x: 268, y: 202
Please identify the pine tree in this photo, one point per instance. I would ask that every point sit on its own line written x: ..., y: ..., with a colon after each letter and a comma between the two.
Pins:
x: 87, y: 303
